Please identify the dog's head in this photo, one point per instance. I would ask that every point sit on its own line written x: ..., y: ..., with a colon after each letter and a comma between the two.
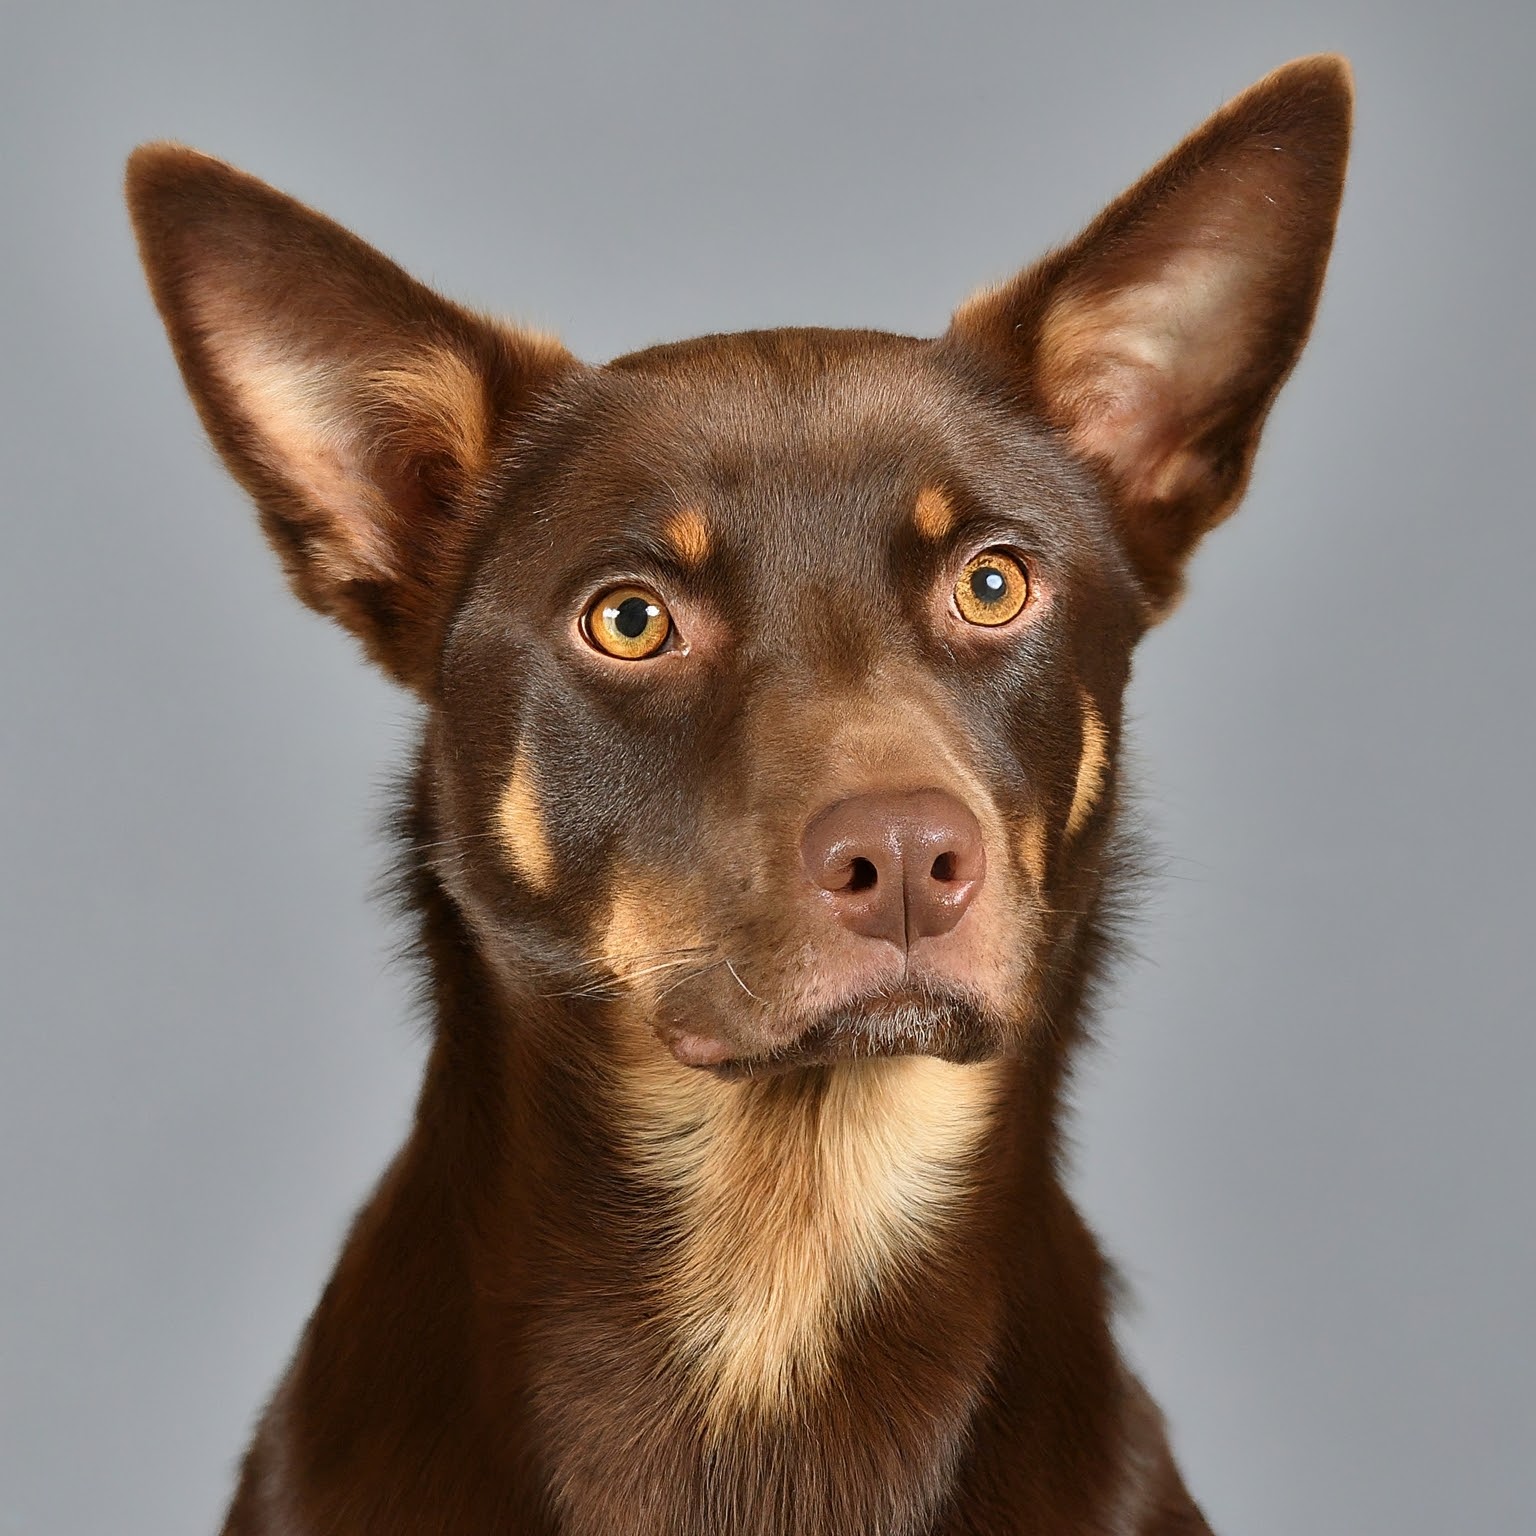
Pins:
x: 773, y: 680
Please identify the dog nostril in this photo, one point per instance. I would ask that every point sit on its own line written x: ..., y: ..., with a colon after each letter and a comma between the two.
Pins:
x: 862, y: 876
x: 899, y: 866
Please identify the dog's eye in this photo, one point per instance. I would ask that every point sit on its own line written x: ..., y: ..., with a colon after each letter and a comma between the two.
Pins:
x: 992, y: 589
x: 628, y: 622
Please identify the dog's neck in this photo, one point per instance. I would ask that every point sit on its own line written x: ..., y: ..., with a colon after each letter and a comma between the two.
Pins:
x: 795, y: 1202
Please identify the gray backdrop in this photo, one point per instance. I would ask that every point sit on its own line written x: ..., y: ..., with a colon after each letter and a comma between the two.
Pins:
x: 1308, y: 1136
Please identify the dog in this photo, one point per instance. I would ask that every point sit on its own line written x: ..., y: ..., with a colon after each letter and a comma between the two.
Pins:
x: 764, y: 848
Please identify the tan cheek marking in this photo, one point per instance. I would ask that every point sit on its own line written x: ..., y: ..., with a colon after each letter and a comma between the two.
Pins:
x: 933, y: 516
x: 688, y: 534
x: 1092, y: 768
x: 1031, y: 843
x: 520, y: 826
x: 624, y: 936
x: 797, y: 1196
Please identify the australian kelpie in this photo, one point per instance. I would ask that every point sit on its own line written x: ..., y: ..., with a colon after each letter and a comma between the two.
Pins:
x: 763, y: 846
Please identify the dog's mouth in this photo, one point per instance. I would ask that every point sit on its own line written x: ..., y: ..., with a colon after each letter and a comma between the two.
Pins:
x: 918, y: 1018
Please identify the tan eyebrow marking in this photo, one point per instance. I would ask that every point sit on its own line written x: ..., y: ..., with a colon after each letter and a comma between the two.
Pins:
x: 933, y: 516
x: 520, y: 824
x: 1092, y: 767
x: 688, y: 534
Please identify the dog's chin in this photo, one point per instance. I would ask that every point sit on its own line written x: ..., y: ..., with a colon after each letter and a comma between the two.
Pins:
x: 948, y: 1024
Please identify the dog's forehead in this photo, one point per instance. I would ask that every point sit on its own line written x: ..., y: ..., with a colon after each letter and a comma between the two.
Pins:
x: 733, y: 420
x: 790, y: 446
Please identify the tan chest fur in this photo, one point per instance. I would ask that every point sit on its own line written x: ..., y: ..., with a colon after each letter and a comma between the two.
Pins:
x: 797, y: 1200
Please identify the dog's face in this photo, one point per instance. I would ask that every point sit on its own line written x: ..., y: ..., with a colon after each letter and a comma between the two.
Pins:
x: 778, y: 715
x: 773, y: 680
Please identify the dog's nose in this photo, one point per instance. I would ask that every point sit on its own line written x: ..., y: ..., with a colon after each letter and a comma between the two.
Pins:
x: 900, y: 867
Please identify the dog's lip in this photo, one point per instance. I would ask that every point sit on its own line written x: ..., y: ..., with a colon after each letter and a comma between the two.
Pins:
x: 698, y: 1050
x: 859, y: 1026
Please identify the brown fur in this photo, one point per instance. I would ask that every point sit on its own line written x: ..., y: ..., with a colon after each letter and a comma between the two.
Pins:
x: 714, y: 1217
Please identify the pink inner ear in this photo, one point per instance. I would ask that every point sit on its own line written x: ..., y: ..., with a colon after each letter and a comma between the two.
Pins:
x: 298, y: 408
x: 336, y: 430
x: 301, y: 423
x: 1163, y: 326
x: 1134, y: 372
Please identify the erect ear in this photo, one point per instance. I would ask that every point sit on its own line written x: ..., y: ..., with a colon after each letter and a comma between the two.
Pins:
x: 1157, y: 340
x: 358, y: 408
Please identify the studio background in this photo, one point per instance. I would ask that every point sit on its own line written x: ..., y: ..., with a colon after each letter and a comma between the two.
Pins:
x: 1308, y: 1136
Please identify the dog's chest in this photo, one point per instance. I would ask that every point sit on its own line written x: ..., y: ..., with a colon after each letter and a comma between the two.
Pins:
x: 795, y: 1209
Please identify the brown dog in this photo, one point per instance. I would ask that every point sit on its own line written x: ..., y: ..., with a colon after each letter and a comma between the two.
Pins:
x: 763, y: 843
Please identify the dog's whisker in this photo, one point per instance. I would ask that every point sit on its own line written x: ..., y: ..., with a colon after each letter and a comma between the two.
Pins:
x: 620, y: 962
x: 625, y: 976
x: 688, y: 976
x: 740, y: 983
x: 642, y: 972
x: 456, y: 841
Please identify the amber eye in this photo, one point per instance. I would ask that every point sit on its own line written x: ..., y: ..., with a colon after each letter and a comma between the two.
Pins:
x: 628, y: 622
x: 992, y: 588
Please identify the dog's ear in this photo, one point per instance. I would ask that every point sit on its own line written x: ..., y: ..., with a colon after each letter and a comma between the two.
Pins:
x: 1157, y: 340
x: 358, y: 408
